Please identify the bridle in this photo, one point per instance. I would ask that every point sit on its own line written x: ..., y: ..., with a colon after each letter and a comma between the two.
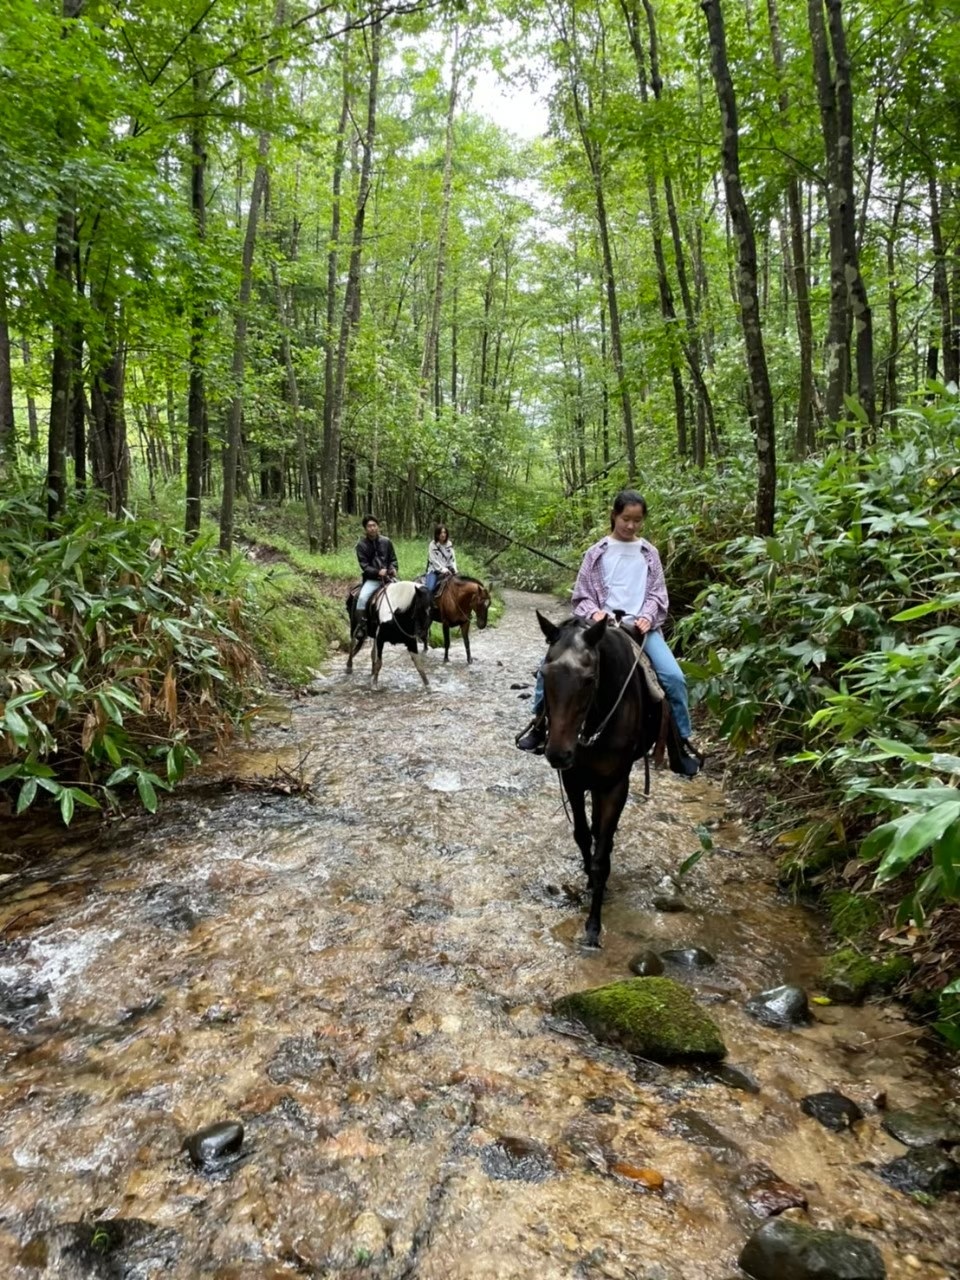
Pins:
x: 595, y: 736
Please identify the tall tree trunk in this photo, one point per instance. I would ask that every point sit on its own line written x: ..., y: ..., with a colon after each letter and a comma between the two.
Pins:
x: 631, y: 14
x: 328, y: 527
x: 61, y: 372
x: 108, y: 440
x: 604, y: 389
x: 32, y: 424
x: 196, y: 394
x: 77, y: 427
x: 891, y: 393
x: 296, y: 418
x: 454, y: 371
x: 805, y: 438
x: 8, y: 436
x: 856, y: 287
x: 759, y: 383
x: 941, y: 283
x: 836, y: 350
x: 231, y: 452
x: 431, y: 340
x: 592, y: 150
x: 61, y: 292
x: 350, y: 316
x: 693, y: 346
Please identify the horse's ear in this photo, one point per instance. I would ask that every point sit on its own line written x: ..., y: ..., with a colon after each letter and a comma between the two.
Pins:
x: 549, y: 629
x: 594, y: 634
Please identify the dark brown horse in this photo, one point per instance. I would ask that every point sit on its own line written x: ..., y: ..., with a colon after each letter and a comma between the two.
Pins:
x: 458, y: 599
x: 602, y: 718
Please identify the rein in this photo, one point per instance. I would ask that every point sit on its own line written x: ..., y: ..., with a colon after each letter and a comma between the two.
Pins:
x: 594, y: 737
x: 412, y: 635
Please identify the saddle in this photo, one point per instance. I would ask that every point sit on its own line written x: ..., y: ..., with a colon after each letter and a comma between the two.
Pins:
x: 669, y: 743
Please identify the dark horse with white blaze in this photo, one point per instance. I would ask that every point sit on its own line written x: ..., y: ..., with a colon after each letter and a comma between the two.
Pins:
x: 602, y: 717
x: 399, y: 613
x: 457, y: 599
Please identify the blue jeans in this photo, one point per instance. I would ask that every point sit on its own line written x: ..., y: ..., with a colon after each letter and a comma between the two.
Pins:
x: 370, y: 585
x: 668, y: 673
x: 431, y: 580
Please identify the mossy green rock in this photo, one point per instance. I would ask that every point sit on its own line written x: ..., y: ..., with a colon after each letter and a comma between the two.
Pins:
x: 654, y: 1017
x: 848, y: 977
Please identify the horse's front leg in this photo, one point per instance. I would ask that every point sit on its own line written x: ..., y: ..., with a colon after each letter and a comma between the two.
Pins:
x: 577, y: 795
x: 446, y: 642
x: 356, y: 644
x: 377, y: 659
x: 465, y: 632
x: 607, y: 807
x: 418, y: 663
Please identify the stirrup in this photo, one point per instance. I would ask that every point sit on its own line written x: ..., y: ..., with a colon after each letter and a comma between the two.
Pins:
x: 534, y: 736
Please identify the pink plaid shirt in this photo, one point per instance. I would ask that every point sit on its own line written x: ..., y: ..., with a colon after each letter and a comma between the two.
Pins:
x: 590, y: 588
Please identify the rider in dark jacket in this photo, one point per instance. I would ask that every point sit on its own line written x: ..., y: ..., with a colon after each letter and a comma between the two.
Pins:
x: 378, y: 564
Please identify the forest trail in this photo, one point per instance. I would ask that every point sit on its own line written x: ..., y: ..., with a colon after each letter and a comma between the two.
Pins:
x: 363, y: 978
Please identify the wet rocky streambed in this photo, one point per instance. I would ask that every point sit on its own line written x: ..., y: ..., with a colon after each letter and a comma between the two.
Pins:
x: 363, y: 978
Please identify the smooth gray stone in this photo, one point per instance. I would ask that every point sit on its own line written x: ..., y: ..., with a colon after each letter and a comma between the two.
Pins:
x: 780, y: 1007
x: 646, y: 964
x: 735, y: 1078
x: 664, y: 902
x: 209, y: 1146
x: 785, y: 1250
x: 833, y: 1110
x: 926, y: 1169
x: 921, y: 1128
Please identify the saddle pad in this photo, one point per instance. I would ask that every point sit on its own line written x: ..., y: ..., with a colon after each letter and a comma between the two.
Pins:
x: 654, y: 686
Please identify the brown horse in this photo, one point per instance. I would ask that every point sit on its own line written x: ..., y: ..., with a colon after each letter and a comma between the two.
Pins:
x: 457, y: 599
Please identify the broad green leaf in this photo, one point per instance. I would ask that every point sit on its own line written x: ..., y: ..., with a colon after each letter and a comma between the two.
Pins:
x: 27, y: 793
x: 923, y: 797
x: 66, y: 805
x: 85, y: 798
x: 147, y: 793
x: 914, y: 836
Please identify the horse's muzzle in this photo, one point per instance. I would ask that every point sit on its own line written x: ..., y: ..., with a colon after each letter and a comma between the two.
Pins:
x: 559, y: 759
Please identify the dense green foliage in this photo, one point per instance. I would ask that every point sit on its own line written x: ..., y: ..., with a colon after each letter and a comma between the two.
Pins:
x: 835, y: 643
x: 120, y: 644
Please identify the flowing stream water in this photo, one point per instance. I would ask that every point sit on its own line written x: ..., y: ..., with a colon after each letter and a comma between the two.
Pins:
x: 363, y: 976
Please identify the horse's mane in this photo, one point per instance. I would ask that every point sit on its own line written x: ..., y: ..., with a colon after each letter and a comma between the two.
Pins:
x: 463, y: 577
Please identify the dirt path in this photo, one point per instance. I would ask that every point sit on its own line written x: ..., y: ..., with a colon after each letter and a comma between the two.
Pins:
x: 365, y: 980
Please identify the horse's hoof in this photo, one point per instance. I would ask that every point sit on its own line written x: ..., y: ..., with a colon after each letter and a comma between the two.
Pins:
x: 591, y: 942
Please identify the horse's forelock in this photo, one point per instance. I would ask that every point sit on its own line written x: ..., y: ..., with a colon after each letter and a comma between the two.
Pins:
x: 570, y: 631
